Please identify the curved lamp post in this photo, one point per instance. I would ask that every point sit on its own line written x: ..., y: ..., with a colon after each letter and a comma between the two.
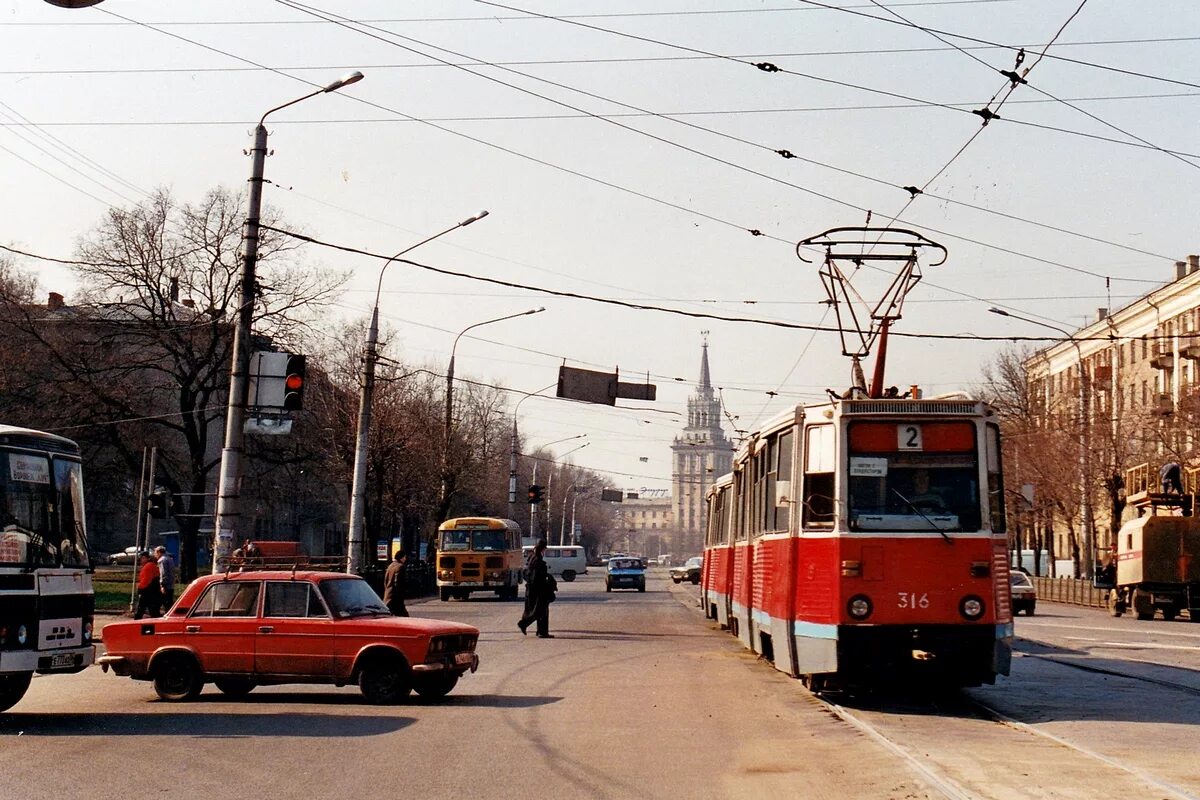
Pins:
x: 358, y: 498
x: 1085, y: 497
x: 512, y: 456
x: 229, y: 487
x: 444, y: 500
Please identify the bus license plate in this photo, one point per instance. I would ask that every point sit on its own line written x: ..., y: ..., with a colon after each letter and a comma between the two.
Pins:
x: 462, y: 658
x: 62, y: 660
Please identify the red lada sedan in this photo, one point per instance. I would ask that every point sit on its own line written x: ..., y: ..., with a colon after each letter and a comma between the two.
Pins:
x: 245, y: 629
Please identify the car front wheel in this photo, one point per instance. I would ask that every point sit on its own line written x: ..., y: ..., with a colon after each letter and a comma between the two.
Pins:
x: 384, y: 681
x: 177, y: 677
x: 677, y: 580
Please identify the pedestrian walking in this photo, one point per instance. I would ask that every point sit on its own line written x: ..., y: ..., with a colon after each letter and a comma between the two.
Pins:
x: 539, y: 593
x: 166, y: 577
x: 149, y: 600
x: 393, y: 585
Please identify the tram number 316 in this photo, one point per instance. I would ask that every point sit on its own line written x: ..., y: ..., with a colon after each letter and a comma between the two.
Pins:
x: 913, y: 600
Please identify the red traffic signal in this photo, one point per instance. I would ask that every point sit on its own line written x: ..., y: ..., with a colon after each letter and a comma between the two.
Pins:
x: 536, y: 493
x: 293, y: 384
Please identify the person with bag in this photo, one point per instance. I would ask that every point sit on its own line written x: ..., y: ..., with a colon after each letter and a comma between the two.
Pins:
x: 540, y: 587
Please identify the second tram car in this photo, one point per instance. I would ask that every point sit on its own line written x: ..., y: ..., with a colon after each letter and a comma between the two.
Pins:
x: 862, y: 541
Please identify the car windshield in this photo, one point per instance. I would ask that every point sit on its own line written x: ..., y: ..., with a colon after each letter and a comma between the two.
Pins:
x: 694, y: 562
x: 624, y: 563
x: 1020, y: 579
x: 351, y: 597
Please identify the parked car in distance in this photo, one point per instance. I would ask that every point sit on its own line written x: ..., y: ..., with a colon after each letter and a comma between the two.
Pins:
x: 1024, y: 594
x: 127, y: 556
x: 240, y: 630
x: 688, y: 571
x: 625, y: 572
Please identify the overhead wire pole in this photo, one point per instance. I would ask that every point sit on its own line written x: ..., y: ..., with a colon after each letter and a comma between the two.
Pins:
x: 1085, y: 448
x: 358, y: 492
x: 229, y: 487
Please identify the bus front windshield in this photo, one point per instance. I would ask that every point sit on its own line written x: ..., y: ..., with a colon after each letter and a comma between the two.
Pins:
x: 490, y: 540
x: 41, y: 511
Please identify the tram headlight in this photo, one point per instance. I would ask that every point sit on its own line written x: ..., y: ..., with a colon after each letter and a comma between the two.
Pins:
x: 971, y: 607
x: 859, y: 607
x: 22, y: 635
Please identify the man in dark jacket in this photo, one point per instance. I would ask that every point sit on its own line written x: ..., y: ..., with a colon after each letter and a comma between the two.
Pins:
x: 393, y: 586
x: 539, y: 593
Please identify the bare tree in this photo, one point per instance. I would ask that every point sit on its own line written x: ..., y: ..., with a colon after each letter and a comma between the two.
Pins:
x: 143, y: 352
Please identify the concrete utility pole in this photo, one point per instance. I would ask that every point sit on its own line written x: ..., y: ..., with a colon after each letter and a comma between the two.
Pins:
x: 1085, y: 443
x: 229, y: 487
x: 358, y: 493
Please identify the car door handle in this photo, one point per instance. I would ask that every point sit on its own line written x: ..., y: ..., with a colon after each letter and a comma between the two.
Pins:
x: 265, y: 629
x: 192, y: 629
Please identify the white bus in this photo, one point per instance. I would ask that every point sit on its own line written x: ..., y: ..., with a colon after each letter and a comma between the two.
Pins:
x: 46, y: 601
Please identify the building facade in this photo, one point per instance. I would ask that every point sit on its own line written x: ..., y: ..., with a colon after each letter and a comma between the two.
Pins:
x: 700, y: 454
x: 1123, y: 391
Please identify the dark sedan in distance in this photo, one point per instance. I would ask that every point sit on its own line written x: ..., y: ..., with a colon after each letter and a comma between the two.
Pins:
x: 688, y: 571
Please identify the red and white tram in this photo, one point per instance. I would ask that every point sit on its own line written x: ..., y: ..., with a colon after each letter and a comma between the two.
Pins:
x: 862, y: 541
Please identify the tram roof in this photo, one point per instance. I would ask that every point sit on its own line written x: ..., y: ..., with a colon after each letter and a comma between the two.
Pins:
x: 12, y: 435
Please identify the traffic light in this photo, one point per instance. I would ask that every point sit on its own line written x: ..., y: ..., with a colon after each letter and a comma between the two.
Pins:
x: 157, y: 503
x: 536, y: 493
x: 293, y: 384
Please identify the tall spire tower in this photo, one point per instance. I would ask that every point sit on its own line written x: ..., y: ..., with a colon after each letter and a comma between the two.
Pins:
x: 701, y: 453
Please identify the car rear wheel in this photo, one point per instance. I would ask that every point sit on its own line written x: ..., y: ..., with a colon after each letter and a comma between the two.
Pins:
x: 607, y: 587
x: 695, y: 579
x: 568, y: 575
x: 641, y: 587
x: 177, y: 677
x: 435, y: 687
x: 384, y: 681
x: 234, y: 687
x: 12, y: 688
x: 677, y: 580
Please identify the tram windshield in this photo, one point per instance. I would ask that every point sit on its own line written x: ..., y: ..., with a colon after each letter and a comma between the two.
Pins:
x: 915, y: 490
x: 41, y: 511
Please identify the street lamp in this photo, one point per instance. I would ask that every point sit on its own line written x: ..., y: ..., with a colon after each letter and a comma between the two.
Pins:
x: 550, y: 485
x: 574, y: 490
x: 358, y: 494
x: 229, y: 486
x: 512, y: 456
x: 1085, y: 497
x: 444, y: 502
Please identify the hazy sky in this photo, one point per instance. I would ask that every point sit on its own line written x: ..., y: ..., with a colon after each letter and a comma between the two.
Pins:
x: 624, y: 150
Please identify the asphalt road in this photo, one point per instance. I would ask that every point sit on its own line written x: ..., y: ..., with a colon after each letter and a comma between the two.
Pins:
x: 638, y: 696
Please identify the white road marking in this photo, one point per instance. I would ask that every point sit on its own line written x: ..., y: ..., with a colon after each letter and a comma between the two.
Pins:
x: 1076, y: 626
x: 1134, y: 645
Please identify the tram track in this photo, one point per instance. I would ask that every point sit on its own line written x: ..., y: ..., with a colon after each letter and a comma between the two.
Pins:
x: 935, y: 765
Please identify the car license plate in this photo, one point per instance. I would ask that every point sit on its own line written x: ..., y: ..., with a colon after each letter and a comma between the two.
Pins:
x: 463, y: 658
x: 62, y: 660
